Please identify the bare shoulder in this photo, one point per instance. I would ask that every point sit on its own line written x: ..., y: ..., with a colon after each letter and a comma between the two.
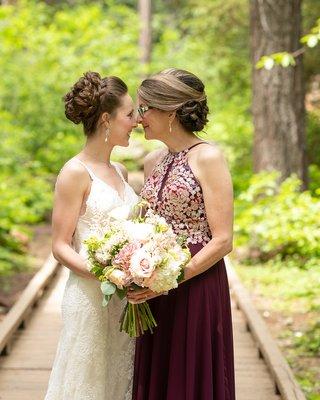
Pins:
x: 72, y: 177
x: 152, y: 159
x: 206, y: 159
x: 123, y: 170
x: 209, y: 154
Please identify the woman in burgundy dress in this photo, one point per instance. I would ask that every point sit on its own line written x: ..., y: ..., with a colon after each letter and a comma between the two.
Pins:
x: 190, y: 354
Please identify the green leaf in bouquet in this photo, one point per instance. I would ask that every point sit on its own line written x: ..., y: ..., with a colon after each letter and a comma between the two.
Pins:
x: 107, y: 271
x: 161, y: 228
x: 121, y: 293
x: 117, y: 247
x: 108, y: 234
x: 96, y: 270
x: 93, y: 244
x: 139, y: 210
x: 106, y: 300
x: 108, y: 288
x: 181, y: 276
x: 182, y: 240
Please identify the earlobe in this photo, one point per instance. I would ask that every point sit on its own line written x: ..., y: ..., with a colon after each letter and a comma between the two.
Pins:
x: 105, y: 118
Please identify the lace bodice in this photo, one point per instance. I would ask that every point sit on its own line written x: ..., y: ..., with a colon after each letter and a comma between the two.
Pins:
x: 174, y: 192
x: 102, y: 203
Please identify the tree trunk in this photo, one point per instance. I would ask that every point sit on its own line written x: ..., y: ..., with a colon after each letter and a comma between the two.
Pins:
x: 278, y: 94
x: 7, y: 2
x: 145, y: 41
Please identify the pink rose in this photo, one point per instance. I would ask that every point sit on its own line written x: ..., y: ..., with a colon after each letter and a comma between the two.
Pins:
x: 123, y: 258
x: 142, y: 265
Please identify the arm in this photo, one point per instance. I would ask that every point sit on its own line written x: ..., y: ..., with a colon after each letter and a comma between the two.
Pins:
x: 72, y: 187
x: 218, y: 200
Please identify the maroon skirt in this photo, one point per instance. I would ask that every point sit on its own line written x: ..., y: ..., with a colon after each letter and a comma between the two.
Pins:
x: 190, y: 354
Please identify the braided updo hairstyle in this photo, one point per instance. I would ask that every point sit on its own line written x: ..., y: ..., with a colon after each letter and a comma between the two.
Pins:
x: 91, y: 96
x: 181, y: 91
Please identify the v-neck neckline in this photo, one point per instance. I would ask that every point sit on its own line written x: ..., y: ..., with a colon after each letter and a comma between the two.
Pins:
x: 93, y: 177
x: 121, y: 196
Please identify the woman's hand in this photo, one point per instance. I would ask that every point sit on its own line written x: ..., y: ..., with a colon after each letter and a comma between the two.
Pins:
x: 141, y: 295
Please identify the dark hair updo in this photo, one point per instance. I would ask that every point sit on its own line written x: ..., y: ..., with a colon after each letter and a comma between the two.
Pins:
x: 181, y: 91
x: 91, y: 96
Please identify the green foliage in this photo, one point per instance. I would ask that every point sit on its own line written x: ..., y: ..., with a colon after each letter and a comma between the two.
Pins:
x: 309, y: 342
x: 314, y: 176
x: 288, y: 288
x: 312, y: 38
x: 54, y: 47
x: 313, y: 137
x: 273, y: 219
x: 283, y: 58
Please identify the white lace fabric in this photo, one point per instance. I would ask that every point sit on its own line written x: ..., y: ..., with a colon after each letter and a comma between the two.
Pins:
x: 94, y: 360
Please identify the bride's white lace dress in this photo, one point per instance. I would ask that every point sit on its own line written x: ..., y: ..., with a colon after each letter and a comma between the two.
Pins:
x: 94, y: 361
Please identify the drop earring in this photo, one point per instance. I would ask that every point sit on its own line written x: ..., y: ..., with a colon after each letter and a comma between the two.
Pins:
x: 170, y: 127
x: 107, y: 135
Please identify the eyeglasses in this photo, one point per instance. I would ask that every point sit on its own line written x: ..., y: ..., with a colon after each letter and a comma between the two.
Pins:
x: 143, y: 109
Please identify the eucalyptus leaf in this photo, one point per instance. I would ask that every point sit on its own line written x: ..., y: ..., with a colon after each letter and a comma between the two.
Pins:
x: 106, y: 300
x: 121, y: 293
x: 108, y: 288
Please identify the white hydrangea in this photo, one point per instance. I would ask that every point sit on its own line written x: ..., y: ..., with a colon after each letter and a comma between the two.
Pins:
x: 165, y: 276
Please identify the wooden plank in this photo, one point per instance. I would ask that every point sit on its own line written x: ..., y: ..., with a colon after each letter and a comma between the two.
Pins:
x: 24, y: 384
x: 278, y: 367
x: 23, y: 307
x: 253, y: 380
x: 25, y: 372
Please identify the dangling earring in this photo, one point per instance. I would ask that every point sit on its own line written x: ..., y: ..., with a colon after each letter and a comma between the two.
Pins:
x: 107, y: 134
x: 170, y: 127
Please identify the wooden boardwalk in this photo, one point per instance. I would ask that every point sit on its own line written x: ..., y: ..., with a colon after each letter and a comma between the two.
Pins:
x: 24, y: 373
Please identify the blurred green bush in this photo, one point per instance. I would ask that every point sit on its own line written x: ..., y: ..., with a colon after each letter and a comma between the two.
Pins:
x: 278, y: 221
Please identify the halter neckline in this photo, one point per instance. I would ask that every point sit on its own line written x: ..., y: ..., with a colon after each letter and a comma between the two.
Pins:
x: 187, y: 149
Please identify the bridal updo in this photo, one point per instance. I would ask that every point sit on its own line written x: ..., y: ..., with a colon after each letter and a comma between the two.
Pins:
x: 177, y: 90
x: 91, y: 96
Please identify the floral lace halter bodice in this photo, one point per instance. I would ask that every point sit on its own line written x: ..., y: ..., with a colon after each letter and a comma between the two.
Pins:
x: 173, y: 192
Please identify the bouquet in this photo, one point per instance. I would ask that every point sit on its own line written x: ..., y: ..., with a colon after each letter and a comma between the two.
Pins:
x: 140, y: 252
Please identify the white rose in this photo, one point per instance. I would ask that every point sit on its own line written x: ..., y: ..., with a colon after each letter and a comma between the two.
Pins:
x: 118, y: 277
x: 138, y: 231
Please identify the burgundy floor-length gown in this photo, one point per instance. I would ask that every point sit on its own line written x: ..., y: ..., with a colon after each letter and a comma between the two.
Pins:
x: 190, y: 354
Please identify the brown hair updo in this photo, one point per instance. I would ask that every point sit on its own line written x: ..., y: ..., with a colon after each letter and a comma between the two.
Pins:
x: 92, y: 95
x: 181, y: 91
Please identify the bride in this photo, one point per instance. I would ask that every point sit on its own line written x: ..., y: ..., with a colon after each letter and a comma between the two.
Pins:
x: 94, y: 361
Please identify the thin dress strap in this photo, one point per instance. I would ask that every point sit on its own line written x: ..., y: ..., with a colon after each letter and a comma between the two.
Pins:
x: 196, y: 145
x: 91, y: 174
x: 118, y: 171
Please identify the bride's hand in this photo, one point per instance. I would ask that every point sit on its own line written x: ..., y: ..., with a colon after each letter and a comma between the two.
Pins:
x: 142, y: 295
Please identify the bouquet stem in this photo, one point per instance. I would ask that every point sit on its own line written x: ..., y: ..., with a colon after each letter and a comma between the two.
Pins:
x: 136, y: 319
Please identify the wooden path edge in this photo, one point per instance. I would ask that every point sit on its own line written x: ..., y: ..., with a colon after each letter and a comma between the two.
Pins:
x: 21, y: 310
x: 285, y: 383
